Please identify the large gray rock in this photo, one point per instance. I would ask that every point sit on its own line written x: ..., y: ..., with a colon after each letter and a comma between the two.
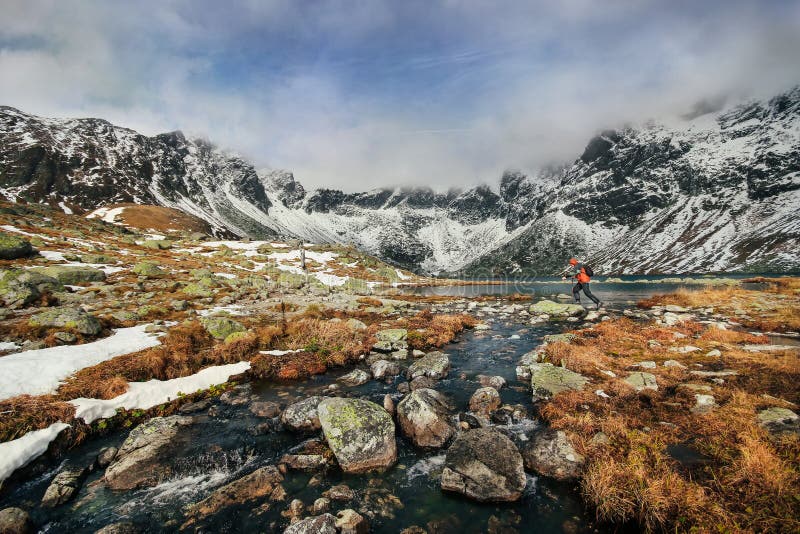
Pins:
x: 140, y: 460
x: 484, y: 401
x: 779, y: 421
x: 20, y: 287
x: 13, y: 247
x: 391, y: 339
x: 258, y: 484
x: 321, y: 524
x: 485, y: 465
x: 433, y: 365
x: 356, y: 377
x: 15, y: 521
x: 360, y: 434
x: 64, y: 487
x: 384, y: 368
x: 348, y: 521
x: 72, y: 318
x: 558, y: 309
x: 548, y: 380
x: 550, y: 453
x: 71, y: 274
x: 640, y: 381
x: 424, y: 418
x: 302, y: 416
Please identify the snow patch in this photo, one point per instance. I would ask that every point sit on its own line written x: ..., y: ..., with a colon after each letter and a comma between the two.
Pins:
x: 21, y: 451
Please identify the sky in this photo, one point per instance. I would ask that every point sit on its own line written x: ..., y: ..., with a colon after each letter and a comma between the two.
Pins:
x: 371, y: 93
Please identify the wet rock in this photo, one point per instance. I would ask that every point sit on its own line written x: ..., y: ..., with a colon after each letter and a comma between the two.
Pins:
x: 388, y: 404
x: 348, y: 521
x: 72, y: 275
x: 194, y: 407
x: 237, y: 396
x: 508, y: 414
x: 302, y: 416
x: 484, y: 401
x: 13, y: 247
x: 258, y: 484
x: 320, y: 506
x: 139, y: 461
x: 484, y: 465
x: 422, y: 382
x: 548, y: 380
x: 356, y: 377
x: 360, y: 433
x: 558, y: 309
x: 404, y: 387
x: 496, y: 382
x: 525, y: 363
x: 73, y: 318
x: 221, y: 327
x: 779, y: 421
x: 383, y: 368
x: 323, y: 524
x: 642, y: 381
x: 424, y: 418
x: 266, y: 409
x: 64, y: 487
x: 550, y: 453
x: 433, y: 365
x: 304, y: 462
x: 106, y: 456
x: 119, y: 528
x: 340, y: 492
x: 469, y: 420
x: 15, y: 521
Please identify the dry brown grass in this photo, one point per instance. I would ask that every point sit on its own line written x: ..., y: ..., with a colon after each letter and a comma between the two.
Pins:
x: 708, y: 296
x: 369, y: 301
x: 25, y: 413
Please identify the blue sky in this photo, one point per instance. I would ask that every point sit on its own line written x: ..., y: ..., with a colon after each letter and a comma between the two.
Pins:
x: 360, y: 94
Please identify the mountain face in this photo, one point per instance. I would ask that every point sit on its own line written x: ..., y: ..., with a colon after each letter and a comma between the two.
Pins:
x: 720, y: 191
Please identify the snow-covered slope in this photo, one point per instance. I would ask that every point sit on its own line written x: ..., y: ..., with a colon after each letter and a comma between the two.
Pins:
x: 718, y: 191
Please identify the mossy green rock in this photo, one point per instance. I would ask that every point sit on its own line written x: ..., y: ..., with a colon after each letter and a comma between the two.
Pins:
x: 548, y: 380
x: 434, y: 365
x: 151, y: 309
x: 125, y: 316
x: 148, y: 269
x: 360, y: 433
x: 236, y: 336
x: 196, y: 290
x: 548, y: 307
x: 221, y: 327
x: 13, y: 247
x: 290, y: 280
x: 96, y: 258
x: 69, y: 274
x: 392, y: 335
x: 560, y: 338
x: 20, y: 287
x: 158, y: 244
x: 71, y: 318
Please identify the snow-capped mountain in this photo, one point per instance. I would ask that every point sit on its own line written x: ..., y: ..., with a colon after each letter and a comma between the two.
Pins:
x: 720, y: 191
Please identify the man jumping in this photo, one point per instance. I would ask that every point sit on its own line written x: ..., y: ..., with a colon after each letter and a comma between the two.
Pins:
x: 582, y: 280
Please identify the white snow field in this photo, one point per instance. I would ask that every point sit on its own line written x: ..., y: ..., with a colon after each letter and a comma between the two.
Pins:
x: 19, y: 452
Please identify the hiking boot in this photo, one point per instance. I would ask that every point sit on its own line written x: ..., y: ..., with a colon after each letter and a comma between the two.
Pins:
x: 599, y: 305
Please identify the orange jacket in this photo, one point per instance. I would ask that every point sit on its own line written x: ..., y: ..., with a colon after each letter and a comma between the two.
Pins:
x: 582, y: 276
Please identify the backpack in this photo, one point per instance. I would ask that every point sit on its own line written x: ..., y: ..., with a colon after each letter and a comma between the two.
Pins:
x: 588, y: 270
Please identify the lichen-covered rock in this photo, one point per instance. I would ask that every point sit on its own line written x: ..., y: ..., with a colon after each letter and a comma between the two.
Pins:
x: 384, y: 368
x: 433, y: 365
x: 96, y: 258
x: 20, y: 287
x: 148, y: 269
x: 641, y: 381
x: 360, y: 433
x: 356, y: 377
x: 157, y: 244
x: 321, y: 524
x: 258, y: 484
x: 779, y: 421
x: 484, y: 401
x: 195, y: 289
x: 15, y: 521
x: 485, y: 465
x: 548, y: 380
x: 64, y: 487
x: 221, y: 327
x: 141, y: 458
x: 560, y: 338
x: 72, y: 318
x: 392, y: 335
x: 302, y: 416
x: 528, y: 359
x: 72, y: 274
x: 550, y: 453
x: 13, y: 247
x: 558, y: 309
x: 424, y: 418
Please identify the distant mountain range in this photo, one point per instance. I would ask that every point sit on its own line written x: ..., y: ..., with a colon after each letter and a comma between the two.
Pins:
x: 715, y: 192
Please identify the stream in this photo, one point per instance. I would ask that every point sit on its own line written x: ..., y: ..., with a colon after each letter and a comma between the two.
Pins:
x: 222, y: 446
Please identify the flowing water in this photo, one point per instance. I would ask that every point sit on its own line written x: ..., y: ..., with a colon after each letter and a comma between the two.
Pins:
x: 224, y: 447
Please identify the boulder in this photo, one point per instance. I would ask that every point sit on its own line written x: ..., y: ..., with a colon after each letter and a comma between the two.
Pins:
x: 348, y: 521
x: 20, y: 287
x: 304, y: 462
x: 484, y: 465
x: 356, y: 377
x: 64, y: 487
x: 424, y: 417
x: 484, y: 401
x: 15, y: 521
x: 258, y: 484
x: 548, y: 380
x: 321, y: 524
x: 550, y: 453
x: 419, y: 383
x: 106, y: 456
x: 641, y: 381
x: 302, y: 416
x: 157, y: 244
x: 340, y: 492
x: 383, y: 368
x: 391, y: 339
x: 266, y: 409
x: 148, y: 269
x: 13, y: 247
x: 558, y: 309
x: 139, y: 461
x: 433, y: 365
x: 360, y: 433
x: 523, y: 369
x: 73, y: 318
x: 496, y: 382
x: 779, y: 421
x: 72, y: 274
x: 356, y: 325
x: 221, y: 327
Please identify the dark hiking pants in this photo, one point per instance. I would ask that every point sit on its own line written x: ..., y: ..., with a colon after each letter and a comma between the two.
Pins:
x: 576, y: 290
